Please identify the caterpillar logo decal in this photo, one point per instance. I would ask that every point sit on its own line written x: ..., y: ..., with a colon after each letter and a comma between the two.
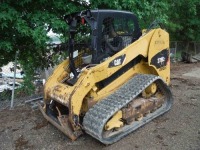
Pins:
x: 160, y: 59
x: 117, y: 61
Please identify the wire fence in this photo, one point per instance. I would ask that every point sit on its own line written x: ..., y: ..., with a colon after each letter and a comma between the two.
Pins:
x: 178, y: 49
x: 11, y: 81
x: 12, y: 75
x: 12, y: 78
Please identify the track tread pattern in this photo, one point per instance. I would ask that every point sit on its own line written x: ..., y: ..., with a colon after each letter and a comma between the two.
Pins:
x: 96, y: 118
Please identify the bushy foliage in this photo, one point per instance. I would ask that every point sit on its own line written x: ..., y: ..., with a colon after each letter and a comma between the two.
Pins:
x: 24, y: 25
x: 184, y: 20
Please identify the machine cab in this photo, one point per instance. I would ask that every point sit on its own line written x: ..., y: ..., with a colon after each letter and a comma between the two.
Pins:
x: 95, y: 35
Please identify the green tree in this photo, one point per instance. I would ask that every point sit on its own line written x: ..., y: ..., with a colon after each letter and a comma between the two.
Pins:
x: 184, y: 21
x: 24, y: 25
x: 181, y: 18
x: 146, y: 10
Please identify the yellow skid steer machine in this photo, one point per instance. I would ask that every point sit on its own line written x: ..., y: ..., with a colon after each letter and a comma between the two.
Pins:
x: 115, y: 79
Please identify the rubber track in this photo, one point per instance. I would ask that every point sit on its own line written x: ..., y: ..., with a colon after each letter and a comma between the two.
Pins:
x: 96, y: 118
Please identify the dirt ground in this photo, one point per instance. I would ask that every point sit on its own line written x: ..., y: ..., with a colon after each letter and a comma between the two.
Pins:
x: 179, y: 129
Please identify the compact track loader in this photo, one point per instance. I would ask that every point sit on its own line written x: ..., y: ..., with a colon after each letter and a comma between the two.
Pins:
x: 115, y: 79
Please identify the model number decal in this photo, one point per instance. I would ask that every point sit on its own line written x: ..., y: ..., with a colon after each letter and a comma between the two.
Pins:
x: 160, y: 59
x: 117, y: 61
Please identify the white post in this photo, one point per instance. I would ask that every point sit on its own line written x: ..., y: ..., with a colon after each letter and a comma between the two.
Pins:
x: 13, y: 88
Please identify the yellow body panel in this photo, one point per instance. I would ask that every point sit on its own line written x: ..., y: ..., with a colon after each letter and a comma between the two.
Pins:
x: 115, y: 122
x: 160, y: 41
